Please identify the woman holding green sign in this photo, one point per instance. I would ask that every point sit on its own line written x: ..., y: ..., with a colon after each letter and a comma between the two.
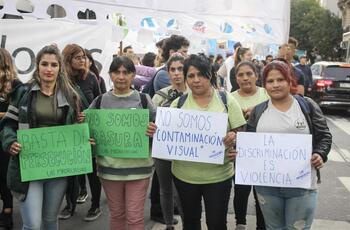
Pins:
x: 48, y: 99
x: 124, y: 180
x: 194, y: 180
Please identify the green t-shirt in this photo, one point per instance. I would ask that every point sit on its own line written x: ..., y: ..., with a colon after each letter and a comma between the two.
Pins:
x: 205, y: 173
x: 251, y: 101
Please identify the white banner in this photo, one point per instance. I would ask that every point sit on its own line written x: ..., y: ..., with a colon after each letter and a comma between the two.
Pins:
x: 274, y: 159
x: 190, y: 135
x: 24, y: 38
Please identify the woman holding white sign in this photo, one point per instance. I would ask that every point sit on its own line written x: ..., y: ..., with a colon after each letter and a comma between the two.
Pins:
x: 248, y: 95
x: 290, y: 208
x: 47, y: 100
x: 124, y: 180
x: 194, y: 180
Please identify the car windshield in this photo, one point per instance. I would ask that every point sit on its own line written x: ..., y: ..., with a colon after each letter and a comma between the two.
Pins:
x: 337, y: 73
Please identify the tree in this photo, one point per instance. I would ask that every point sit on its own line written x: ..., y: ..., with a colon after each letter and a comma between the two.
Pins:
x: 318, y: 30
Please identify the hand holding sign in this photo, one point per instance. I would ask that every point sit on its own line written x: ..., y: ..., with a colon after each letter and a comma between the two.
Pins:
x: 15, y: 148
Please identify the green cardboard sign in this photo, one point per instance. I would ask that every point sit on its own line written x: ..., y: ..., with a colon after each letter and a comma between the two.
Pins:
x: 54, y: 152
x: 119, y: 133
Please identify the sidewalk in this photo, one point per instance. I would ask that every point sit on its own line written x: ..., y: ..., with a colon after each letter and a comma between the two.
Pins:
x: 317, y: 224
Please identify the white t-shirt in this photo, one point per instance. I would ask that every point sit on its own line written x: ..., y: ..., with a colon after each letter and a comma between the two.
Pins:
x: 292, y: 121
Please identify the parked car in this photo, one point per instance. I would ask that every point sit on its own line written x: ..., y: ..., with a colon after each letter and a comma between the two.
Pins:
x: 331, y: 84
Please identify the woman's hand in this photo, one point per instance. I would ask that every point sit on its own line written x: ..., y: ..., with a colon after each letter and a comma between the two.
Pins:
x: 230, y: 139
x: 246, y: 112
x: 92, y: 141
x: 81, y: 117
x: 15, y: 148
x: 231, y: 154
x: 317, y: 161
x: 151, y: 129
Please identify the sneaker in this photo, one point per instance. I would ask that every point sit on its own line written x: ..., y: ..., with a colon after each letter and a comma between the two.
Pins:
x: 65, y: 214
x: 82, y: 198
x: 161, y: 220
x: 241, y: 227
x: 93, y: 214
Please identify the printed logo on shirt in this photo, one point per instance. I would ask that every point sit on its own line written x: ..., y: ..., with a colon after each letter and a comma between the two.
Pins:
x: 300, y: 124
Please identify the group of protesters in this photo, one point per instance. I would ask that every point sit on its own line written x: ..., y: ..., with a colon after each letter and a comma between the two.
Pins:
x: 265, y: 97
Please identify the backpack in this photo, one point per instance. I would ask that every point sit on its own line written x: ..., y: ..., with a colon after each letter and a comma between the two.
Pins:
x: 170, y: 97
x: 223, y: 97
x: 149, y: 87
x: 143, y: 98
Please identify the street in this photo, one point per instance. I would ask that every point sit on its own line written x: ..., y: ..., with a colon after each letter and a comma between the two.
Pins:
x: 333, y: 209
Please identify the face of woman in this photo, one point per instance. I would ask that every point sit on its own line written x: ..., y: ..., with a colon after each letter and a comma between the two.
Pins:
x: 198, y: 83
x: 48, y: 68
x: 79, y: 61
x: 176, y: 73
x: 246, y: 79
x: 247, y: 56
x: 122, y: 79
x: 276, y: 85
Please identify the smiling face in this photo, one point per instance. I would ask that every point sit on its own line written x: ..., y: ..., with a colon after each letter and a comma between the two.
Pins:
x: 48, y: 68
x: 198, y: 83
x: 176, y: 73
x: 246, y: 79
x: 276, y: 85
x: 122, y: 80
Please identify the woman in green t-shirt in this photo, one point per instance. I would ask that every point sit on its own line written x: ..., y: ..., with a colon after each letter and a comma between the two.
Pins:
x: 195, y: 180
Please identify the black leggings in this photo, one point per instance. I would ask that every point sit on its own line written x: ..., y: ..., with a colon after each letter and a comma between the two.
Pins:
x: 5, y: 193
x: 216, y: 198
x: 240, y: 204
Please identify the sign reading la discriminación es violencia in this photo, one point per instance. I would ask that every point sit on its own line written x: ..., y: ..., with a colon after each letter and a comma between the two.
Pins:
x: 119, y: 133
x: 54, y: 152
x: 190, y: 135
x: 274, y: 159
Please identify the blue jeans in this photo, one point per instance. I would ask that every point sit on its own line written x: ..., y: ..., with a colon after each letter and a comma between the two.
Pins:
x: 287, y: 208
x: 40, y: 208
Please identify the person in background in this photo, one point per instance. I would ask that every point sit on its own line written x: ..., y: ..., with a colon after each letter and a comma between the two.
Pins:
x: 124, y: 180
x: 211, y: 59
x: 159, y: 59
x: 94, y: 69
x: 8, y: 83
x: 50, y: 100
x: 128, y: 50
x: 268, y: 58
x: 241, y: 54
x: 148, y: 59
x: 305, y: 68
x: 86, y: 84
x: 194, y: 180
x: 290, y: 208
x: 164, y: 98
x: 248, y: 96
x: 224, y: 71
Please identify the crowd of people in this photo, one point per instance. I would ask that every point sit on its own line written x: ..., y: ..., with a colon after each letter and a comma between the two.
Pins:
x: 258, y: 96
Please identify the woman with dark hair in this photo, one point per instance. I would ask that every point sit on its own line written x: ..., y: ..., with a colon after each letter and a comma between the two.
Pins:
x: 248, y: 95
x: 8, y: 83
x: 93, y: 68
x: 285, y: 113
x: 241, y: 54
x: 124, y: 180
x: 47, y: 100
x: 164, y: 98
x: 214, y: 186
x: 75, y: 61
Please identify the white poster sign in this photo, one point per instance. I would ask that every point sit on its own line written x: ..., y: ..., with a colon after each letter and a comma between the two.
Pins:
x: 24, y: 38
x: 274, y: 159
x: 190, y: 135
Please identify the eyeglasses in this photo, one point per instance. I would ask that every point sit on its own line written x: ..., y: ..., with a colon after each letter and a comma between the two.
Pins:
x: 79, y: 58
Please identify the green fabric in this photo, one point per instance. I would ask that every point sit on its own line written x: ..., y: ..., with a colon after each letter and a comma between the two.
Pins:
x: 204, y: 173
x: 251, y: 101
